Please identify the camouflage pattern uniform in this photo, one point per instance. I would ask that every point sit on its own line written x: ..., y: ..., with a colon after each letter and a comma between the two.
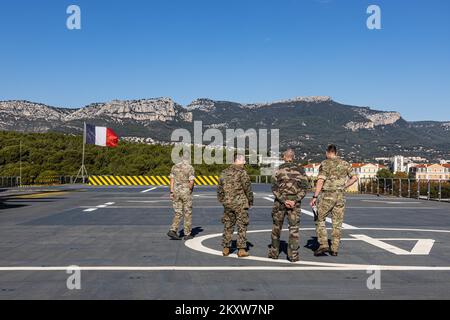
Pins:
x: 235, y: 193
x: 335, y: 173
x: 289, y: 183
x: 182, y: 173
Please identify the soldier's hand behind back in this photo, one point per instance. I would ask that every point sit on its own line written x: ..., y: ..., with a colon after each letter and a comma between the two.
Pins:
x: 289, y: 204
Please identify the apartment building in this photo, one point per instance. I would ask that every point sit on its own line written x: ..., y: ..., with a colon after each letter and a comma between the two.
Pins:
x: 400, y: 163
x: 367, y: 170
x: 362, y: 170
x: 431, y: 171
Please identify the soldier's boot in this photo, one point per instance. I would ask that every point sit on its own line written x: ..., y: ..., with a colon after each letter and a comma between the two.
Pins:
x: 173, y: 235
x: 226, y: 252
x: 321, y: 251
x: 293, y: 255
x: 274, y: 250
x: 242, y: 253
x: 188, y: 237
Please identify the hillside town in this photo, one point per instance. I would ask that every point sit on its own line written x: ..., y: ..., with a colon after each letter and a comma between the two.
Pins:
x: 416, y: 168
x: 412, y: 167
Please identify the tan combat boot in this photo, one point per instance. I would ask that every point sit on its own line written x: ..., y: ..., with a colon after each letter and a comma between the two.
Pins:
x: 321, y: 251
x: 226, y: 252
x: 274, y: 250
x: 243, y: 253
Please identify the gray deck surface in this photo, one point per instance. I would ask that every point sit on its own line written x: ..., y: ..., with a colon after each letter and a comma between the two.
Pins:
x: 54, y: 230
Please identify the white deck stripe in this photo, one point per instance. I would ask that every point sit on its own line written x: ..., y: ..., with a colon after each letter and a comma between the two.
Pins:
x: 147, y: 201
x: 380, y: 244
x: 225, y: 268
x: 148, y: 190
x: 422, y: 247
x: 102, y: 206
x: 392, y: 202
x: 395, y: 208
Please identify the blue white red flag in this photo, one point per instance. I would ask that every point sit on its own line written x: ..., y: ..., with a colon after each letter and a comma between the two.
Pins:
x: 101, y: 136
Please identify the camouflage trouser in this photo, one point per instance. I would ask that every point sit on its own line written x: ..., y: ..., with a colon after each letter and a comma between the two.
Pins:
x: 333, y: 202
x: 230, y: 219
x: 182, y: 205
x: 279, y: 212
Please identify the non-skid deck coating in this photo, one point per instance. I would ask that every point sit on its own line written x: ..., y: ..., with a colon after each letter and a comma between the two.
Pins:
x: 117, y: 236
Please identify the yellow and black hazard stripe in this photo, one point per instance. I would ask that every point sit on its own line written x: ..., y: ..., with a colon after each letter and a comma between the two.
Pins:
x: 146, y: 180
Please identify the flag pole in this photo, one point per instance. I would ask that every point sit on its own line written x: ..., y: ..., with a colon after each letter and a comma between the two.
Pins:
x: 20, y: 164
x: 84, y: 150
x: 83, y: 172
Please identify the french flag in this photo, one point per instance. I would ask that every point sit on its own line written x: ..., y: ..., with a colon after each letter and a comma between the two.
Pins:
x: 101, y: 136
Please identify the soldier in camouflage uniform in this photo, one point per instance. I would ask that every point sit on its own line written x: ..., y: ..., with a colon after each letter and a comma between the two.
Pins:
x: 335, y: 175
x: 289, y: 187
x: 235, y: 193
x: 181, y: 187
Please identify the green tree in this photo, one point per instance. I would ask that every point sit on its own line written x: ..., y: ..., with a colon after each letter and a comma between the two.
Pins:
x: 401, y: 175
x: 60, y: 154
x: 385, y: 174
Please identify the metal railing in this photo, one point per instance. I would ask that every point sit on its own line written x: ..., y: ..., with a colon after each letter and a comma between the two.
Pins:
x: 9, y: 182
x: 261, y: 179
x: 438, y: 190
x: 14, y: 182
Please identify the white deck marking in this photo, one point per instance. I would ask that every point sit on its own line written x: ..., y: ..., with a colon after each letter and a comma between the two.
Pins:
x: 197, y: 245
x: 329, y: 220
x: 147, y: 201
x: 422, y: 247
x: 165, y: 207
x: 395, y: 208
x: 148, y: 190
x: 293, y: 267
x: 209, y: 196
x: 412, y: 230
x: 386, y: 239
x: 102, y: 206
x: 393, y: 202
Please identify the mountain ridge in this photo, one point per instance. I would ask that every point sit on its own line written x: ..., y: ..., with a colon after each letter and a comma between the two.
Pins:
x: 305, y: 123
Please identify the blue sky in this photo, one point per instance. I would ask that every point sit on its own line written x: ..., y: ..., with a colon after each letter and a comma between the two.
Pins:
x: 239, y: 50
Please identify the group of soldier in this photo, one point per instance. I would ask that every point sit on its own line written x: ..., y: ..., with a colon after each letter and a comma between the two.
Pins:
x: 289, y: 186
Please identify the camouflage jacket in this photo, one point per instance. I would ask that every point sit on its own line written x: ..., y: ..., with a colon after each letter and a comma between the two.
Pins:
x: 235, y: 188
x: 182, y: 173
x: 290, y: 183
x: 335, y: 173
